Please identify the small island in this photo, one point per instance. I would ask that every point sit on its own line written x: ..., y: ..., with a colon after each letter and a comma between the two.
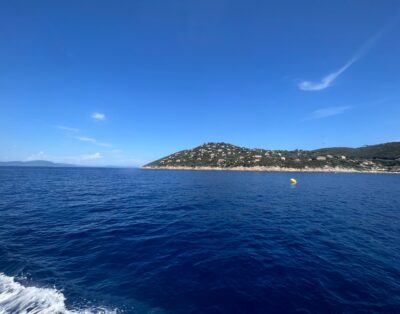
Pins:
x: 381, y: 158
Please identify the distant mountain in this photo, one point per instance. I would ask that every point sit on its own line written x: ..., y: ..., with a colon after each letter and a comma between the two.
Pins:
x: 33, y: 163
x: 376, y: 158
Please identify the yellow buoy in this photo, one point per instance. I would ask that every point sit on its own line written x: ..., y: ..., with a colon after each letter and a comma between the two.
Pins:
x: 293, y: 181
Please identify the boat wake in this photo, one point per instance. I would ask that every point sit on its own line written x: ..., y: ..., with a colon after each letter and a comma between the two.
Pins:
x: 16, y: 298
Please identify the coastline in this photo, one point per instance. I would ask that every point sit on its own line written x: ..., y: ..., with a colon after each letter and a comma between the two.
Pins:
x: 273, y: 169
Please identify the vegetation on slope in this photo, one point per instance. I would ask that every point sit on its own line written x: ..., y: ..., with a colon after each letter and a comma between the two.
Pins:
x: 383, y: 157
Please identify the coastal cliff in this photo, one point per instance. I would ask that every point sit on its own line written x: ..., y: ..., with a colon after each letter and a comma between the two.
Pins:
x: 223, y: 156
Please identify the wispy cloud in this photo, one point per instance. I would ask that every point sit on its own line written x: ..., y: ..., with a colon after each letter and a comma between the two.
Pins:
x: 86, y: 139
x: 98, y: 116
x: 66, y: 128
x: 82, y: 138
x: 114, y: 151
x: 92, y: 140
x: 95, y: 156
x: 327, y: 80
x: 327, y: 112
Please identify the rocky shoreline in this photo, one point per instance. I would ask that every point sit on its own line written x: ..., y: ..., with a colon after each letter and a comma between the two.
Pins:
x: 272, y: 169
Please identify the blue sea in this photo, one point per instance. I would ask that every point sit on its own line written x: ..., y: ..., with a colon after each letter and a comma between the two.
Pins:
x: 91, y: 240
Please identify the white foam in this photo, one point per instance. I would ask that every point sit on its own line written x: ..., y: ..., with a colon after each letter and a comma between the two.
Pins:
x: 16, y: 298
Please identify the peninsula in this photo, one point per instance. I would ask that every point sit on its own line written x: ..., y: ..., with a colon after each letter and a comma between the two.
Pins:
x: 383, y: 158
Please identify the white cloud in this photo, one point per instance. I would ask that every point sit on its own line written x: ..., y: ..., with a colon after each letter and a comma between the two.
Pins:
x: 327, y: 80
x: 98, y: 116
x: 93, y: 141
x: 95, y: 156
x: 327, y: 112
x: 37, y: 156
x: 66, y: 128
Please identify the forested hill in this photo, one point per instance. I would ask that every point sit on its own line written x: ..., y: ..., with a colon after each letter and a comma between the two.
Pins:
x: 382, y: 157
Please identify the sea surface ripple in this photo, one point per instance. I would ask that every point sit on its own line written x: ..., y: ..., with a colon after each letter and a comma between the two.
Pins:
x: 91, y: 240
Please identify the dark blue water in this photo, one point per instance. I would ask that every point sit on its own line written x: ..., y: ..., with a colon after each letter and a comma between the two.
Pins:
x: 144, y: 241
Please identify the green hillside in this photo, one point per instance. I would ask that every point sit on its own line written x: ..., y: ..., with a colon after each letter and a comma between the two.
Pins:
x: 383, y: 157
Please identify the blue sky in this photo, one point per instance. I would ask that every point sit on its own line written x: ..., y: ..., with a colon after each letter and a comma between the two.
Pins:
x: 126, y: 82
